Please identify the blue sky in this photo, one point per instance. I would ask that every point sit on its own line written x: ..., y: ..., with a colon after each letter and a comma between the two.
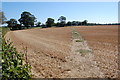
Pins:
x: 98, y: 12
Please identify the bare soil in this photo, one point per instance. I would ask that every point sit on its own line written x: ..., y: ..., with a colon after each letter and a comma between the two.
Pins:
x: 103, y: 40
x: 49, y: 51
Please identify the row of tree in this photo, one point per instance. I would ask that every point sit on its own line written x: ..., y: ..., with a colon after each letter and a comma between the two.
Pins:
x: 50, y: 22
x: 28, y: 20
x: 62, y: 23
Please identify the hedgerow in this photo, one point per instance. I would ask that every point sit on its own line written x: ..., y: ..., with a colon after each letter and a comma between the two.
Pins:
x: 13, y: 67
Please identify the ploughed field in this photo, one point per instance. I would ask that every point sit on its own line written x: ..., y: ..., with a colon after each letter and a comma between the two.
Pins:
x: 52, y: 51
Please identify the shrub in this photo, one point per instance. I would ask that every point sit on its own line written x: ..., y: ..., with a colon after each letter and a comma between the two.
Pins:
x: 12, y: 63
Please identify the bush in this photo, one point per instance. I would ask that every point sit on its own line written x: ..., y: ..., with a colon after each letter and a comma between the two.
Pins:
x: 12, y: 63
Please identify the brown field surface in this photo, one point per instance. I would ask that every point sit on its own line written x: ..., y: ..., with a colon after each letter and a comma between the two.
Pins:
x: 104, y: 42
x: 49, y: 51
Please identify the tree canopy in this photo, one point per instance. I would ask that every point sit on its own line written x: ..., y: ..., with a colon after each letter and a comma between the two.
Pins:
x: 85, y: 22
x: 38, y: 24
x: 12, y: 23
x: 27, y: 19
x: 62, y: 20
x: 50, y: 22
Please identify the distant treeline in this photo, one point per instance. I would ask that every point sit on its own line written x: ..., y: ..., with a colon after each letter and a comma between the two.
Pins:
x: 28, y: 20
x: 103, y: 24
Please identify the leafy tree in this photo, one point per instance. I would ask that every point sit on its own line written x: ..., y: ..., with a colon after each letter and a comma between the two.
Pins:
x: 2, y: 17
x: 74, y: 23
x: 69, y: 23
x: 49, y: 22
x: 12, y: 24
x: 27, y: 19
x: 43, y: 26
x: 62, y: 20
x: 18, y: 26
x: 38, y: 24
x: 57, y: 24
x: 84, y: 22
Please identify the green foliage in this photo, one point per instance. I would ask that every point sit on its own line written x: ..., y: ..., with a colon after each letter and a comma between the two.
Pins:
x: 50, y: 22
x: 76, y: 23
x: 62, y: 20
x: 38, y: 24
x: 27, y: 19
x: 84, y: 22
x: 69, y: 23
x: 12, y: 63
x: 12, y: 23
